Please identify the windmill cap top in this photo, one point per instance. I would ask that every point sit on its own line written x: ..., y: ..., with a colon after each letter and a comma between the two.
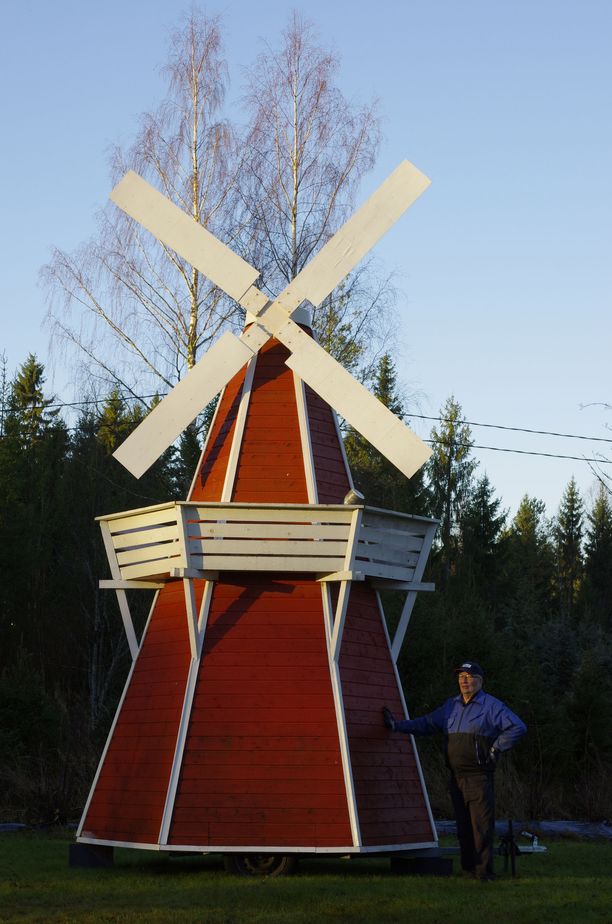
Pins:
x: 470, y: 667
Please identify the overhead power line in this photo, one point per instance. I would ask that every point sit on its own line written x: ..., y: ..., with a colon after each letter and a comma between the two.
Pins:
x: 471, y: 423
x: 524, y: 452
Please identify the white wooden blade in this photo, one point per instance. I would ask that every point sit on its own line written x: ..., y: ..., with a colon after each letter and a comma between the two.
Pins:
x: 354, y: 402
x: 179, y: 231
x: 356, y: 237
x: 182, y: 405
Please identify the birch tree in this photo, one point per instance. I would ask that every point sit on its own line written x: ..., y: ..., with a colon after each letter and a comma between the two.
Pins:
x: 131, y: 306
x: 308, y: 149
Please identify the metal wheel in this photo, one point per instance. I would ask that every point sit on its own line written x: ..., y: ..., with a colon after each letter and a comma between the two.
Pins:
x: 260, y: 864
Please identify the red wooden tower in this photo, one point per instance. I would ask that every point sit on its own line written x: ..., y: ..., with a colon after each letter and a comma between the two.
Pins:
x: 250, y: 722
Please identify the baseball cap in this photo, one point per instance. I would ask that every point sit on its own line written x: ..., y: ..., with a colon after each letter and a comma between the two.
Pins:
x: 470, y: 667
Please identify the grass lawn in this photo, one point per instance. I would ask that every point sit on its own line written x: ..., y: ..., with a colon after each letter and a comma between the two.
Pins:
x: 570, y: 883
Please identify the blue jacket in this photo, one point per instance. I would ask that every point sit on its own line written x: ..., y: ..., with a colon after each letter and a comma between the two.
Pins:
x: 471, y: 730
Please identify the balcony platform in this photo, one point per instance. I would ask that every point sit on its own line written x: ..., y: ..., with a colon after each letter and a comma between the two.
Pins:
x: 183, y: 540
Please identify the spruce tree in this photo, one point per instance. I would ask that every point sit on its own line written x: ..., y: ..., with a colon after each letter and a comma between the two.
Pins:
x: 568, y: 533
x: 29, y: 411
x: 597, y: 589
x: 482, y: 541
x: 530, y: 565
x: 450, y: 472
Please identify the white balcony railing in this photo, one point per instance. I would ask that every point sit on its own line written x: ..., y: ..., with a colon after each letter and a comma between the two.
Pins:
x: 206, y: 539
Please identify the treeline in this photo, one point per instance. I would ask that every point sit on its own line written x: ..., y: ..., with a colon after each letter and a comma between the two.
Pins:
x: 527, y: 596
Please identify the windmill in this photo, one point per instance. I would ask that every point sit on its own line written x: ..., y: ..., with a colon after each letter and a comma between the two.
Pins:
x: 250, y: 720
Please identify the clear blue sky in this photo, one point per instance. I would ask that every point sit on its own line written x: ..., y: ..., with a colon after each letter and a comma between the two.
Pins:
x: 504, y: 264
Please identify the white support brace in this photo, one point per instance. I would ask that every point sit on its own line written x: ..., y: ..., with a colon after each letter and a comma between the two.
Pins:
x: 124, y: 608
x: 192, y: 616
x: 340, y: 618
x: 402, y: 625
x: 203, y: 615
x: 345, y: 586
x: 128, y: 623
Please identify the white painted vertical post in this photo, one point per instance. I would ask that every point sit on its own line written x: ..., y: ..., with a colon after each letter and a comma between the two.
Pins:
x: 183, y: 512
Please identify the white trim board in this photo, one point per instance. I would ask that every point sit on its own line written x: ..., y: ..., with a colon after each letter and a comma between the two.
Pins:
x: 234, y: 453
x: 265, y: 849
x: 412, y: 741
x: 334, y: 674
x: 306, y: 438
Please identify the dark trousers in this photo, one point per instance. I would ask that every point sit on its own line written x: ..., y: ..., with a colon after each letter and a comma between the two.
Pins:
x: 473, y: 800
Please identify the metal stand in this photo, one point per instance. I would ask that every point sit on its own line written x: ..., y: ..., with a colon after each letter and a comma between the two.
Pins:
x: 509, y: 848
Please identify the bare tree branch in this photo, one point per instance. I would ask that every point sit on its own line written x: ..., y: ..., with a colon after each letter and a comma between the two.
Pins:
x: 139, y: 303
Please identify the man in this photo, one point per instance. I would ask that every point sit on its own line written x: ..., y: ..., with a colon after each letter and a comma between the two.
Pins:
x: 478, y: 728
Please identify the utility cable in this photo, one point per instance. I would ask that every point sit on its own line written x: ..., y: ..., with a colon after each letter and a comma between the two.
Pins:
x: 523, y: 452
x: 471, y: 423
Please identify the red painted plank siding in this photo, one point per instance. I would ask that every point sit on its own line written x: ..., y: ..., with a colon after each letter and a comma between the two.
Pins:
x: 390, y: 800
x: 262, y: 762
x: 271, y: 465
x: 330, y: 469
x: 128, y: 801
